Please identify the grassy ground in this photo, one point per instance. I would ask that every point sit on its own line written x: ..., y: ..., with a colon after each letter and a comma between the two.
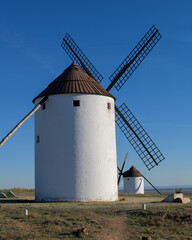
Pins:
x: 123, y: 219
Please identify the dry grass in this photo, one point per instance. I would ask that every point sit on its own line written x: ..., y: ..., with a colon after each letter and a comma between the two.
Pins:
x: 123, y: 219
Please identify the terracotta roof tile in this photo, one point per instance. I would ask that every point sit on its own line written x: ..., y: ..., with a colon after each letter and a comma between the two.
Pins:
x: 132, y: 172
x: 74, y: 80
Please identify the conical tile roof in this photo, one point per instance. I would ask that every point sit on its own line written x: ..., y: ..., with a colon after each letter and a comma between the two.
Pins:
x: 132, y: 172
x: 74, y: 80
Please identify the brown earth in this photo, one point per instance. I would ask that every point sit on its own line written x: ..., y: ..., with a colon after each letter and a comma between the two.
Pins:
x: 123, y: 219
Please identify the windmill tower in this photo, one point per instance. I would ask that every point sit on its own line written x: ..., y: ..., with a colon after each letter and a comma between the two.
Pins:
x: 75, y: 149
x: 76, y: 120
x: 133, y: 181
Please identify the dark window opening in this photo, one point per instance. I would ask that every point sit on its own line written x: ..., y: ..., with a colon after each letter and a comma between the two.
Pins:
x: 76, y: 103
x: 38, y: 139
x: 43, y: 106
x: 109, y: 105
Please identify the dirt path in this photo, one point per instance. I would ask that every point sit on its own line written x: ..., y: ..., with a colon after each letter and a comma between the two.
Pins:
x: 113, y: 228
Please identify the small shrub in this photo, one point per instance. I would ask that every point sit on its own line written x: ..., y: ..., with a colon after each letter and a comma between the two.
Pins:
x: 122, y: 199
x: 80, y: 233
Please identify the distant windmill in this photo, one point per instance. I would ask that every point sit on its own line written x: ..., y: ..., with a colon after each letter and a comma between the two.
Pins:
x: 135, y: 183
x: 70, y: 126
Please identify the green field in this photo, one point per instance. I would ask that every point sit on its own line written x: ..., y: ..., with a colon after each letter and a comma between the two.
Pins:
x: 123, y: 219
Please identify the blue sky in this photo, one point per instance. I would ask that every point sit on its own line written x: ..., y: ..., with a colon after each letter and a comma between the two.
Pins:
x: 158, y: 93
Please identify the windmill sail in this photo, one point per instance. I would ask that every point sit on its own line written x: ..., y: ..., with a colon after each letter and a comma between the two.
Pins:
x: 133, y: 60
x: 22, y: 121
x: 121, y: 170
x: 138, y: 137
x: 76, y: 55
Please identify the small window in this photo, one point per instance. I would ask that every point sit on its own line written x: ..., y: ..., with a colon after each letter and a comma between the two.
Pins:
x: 76, y: 103
x: 37, y: 139
x: 109, y: 105
x: 43, y: 106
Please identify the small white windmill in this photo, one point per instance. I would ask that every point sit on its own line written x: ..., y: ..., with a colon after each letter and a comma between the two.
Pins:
x: 133, y: 180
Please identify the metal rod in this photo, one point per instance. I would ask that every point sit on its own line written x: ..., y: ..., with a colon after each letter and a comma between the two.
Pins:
x: 151, y: 185
x: 125, y: 158
x: 22, y: 121
x: 120, y: 173
x: 121, y: 170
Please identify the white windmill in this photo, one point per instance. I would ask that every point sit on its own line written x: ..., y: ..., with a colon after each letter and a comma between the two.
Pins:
x: 133, y: 181
x: 75, y: 147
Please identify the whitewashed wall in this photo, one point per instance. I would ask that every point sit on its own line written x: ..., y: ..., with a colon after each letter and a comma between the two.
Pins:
x: 75, y: 159
x: 133, y: 185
